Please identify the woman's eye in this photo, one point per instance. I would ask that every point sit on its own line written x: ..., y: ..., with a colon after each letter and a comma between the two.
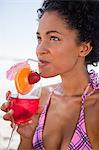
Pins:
x: 54, y: 38
x: 38, y: 38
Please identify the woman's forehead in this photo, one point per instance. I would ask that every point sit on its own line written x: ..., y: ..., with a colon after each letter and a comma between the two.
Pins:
x: 52, y: 21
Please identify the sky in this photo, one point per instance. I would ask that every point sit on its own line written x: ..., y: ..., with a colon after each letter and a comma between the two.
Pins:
x: 18, y: 25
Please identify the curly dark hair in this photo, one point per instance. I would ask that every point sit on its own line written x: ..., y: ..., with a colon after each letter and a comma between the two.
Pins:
x: 82, y: 15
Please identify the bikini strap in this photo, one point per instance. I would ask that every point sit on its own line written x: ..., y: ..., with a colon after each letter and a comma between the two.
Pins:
x: 49, y: 97
x: 94, y: 81
x: 51, y: 90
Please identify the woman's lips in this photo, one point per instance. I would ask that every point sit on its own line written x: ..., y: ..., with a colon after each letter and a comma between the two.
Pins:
x: 43, y: 63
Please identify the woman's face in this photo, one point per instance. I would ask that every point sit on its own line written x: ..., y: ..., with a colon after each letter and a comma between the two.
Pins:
x: 57, y: 47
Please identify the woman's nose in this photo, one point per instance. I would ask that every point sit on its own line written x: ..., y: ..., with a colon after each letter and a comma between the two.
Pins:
x: 41, y: 49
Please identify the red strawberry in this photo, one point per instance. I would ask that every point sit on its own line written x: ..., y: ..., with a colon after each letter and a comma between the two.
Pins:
x: 33, y: 77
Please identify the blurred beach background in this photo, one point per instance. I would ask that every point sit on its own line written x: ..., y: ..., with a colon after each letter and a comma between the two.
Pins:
x: 18, y: 25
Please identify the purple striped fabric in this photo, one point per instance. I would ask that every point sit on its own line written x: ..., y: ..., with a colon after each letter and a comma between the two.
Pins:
x: 80, y: 140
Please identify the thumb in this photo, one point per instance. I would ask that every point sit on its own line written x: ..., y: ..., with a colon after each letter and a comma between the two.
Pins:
x: 40, y: 109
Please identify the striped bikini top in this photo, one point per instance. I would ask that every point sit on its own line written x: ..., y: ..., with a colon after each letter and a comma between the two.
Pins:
x: 80, y: 140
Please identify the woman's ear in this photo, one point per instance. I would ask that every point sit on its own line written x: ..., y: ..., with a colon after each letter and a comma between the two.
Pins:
x: 85, y: 49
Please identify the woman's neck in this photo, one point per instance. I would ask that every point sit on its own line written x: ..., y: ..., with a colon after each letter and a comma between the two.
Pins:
x: 75, y: 82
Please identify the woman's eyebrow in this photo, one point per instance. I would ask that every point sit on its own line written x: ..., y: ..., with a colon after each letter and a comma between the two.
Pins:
x: 49, y: 32
x: 53, y: 31
x: 37, y: 33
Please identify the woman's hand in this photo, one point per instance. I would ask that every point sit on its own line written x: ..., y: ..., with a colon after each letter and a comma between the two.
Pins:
x: 5, y: 108
x: 8, y: 115
x: 27, y: 129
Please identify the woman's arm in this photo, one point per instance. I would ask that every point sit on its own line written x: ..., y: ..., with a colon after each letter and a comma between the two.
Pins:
x: 26, y: 132
x: 25, y: 144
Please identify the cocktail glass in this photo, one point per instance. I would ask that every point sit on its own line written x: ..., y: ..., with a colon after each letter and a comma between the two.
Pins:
x: 24, y: 105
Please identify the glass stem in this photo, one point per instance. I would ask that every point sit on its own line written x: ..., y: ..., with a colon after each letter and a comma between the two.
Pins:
x: 11, y: 136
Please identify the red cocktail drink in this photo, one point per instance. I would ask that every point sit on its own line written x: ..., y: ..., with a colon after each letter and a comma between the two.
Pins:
x: 24, y: 108
x: 23, y: 105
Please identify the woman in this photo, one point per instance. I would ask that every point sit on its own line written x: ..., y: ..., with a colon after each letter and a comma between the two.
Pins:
x: 68, y: 40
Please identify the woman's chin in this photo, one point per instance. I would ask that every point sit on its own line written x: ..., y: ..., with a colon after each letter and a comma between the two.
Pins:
x: 47, y: 75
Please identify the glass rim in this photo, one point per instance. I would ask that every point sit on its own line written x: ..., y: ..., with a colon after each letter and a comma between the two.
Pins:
x: 24, y: 96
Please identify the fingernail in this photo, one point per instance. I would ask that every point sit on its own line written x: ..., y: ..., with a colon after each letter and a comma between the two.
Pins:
x: 6, y: 105
x: 40, y: 108
x: 10, y: 111
x: 30, y: 121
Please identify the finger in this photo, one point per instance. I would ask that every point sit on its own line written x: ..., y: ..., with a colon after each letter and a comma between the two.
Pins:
x: 40, y: 109
x: 8, y: 116
x: 12, y: 125
x: 32, y: 123
x: 8, y: 94
x: 27, y: 129
x: 4, y: 106
x: 33, y: 120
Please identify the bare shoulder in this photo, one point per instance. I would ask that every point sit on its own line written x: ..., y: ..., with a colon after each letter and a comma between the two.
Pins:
x: 45, y: 93
x: 93, y: 103
x: 97, y: 99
